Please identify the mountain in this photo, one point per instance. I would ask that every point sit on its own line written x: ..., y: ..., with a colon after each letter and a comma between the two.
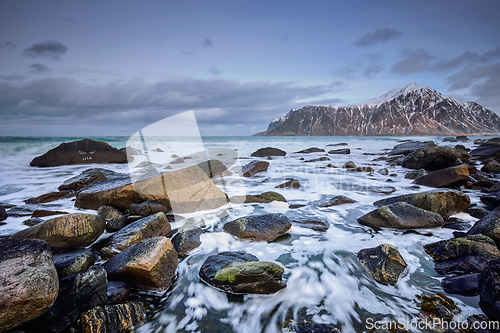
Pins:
x: 407, y: 110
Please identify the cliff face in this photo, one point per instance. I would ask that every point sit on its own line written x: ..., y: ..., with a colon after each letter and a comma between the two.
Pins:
x: 407, y: 110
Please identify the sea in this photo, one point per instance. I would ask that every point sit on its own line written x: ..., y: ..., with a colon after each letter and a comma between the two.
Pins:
x: 325, y: 281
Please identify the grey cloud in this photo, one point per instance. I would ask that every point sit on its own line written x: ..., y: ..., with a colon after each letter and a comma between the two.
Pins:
x: 378, y: 36
x: 207, y: 43
x: 50, y: 49
x: 372, y: 70
x: 39, y: 68
x: 189, y: 53
x: 467, y: 58
x: 414, y: 62
x: 215, y: 71
x: 8, y: 45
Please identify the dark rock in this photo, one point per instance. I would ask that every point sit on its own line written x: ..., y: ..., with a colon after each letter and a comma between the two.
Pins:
x: 340, y: 151
x: 475, y: 323
x: 489, y: 290
x: 435, y: 158
x: 214, y: 169
x: 310, y: 150
x: 73, y: 262
x: 147, y: 208
x: 240, y: 272
x: 492, y: 167
x: 87, y: 177
x: 410, y: 146
x: 484, y: 184
x: 466, y: 284
x: 187, y: 240
x: 116, y: 223
x: 330, y: 166
x: 28, y: 281
x: 260, y: 228
x: 478, y: 213
x: 44, y: 213
x: 442, y: 202
x: 461, y: 147
x: 310, y: 222
x: 401, y: 215
x: 3, y: 213
x: 312, y: 328
x: 490, y: 200
x: 349, y: 165
x: 449, y: 139
x: 265, y: 197
x: 151, y: 262
x: 268, y: 151
x: 334, y: 201
x: 337, y: 144
x: 254, y: 167
x: 49, y: 197
x: 462, y: 138
x: 415, y: 174
x: 66, y: 232
x: 384, y: 263
x: 108, y: 212
x: 381, y: 189
x: 291, y: 183
x: 438, y: 306
x: 451, y: 176
x: 364, y: 169
x: 80, y: 152
x: 488, y: 226
x: 495, y: 187
x: 118, y: 291
x: 320, y: 159
x: 113, y: 318
x: 151, y: 226
x: 486, y: 150
x: 32, y: 221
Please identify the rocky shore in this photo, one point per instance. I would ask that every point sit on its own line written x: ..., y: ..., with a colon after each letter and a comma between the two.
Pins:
x: 81, y: 272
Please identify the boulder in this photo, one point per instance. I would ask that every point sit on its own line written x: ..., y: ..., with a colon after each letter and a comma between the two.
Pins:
x: 254, y: 167
x: 74, y: 262
x: 333, y: 201
x: 28, y: 281
x: 85, y: 178
x: 488, y: 226
x: 265, y: 197
x: 66, y: 232
x: 401, y: 215
x: 492, y: 167
x: 406, y: 148
x: 113, y: 318
x: 438, y: 306
x: 415, y: 174
x: 435, y: 158
x: 147, y: 208
x: 151, y: 226
x: 340, y: 151
x: 3, y: 213
x: 384, y: 263
x: 290, y: 183
x: 486, y: 150
x: 49, y: 197
x: 240, y: 273
x: 186, y: 190
x: 467, y: 284
x: 489, y: 290
x: 451, y: 176
x: 187, y: 240
x: 268, y: 151
x: 442, y: 202
x: 349, y: 165
x: 214, y: 169
x: 260, y: 228
x: 310, y: 150
x: 80, y: 152
x: 151, y: 263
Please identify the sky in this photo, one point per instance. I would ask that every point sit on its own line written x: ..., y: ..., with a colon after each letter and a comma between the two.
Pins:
x: 98, y: 68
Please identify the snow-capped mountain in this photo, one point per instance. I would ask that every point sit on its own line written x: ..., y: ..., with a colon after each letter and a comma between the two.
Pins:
x: 407, y: 110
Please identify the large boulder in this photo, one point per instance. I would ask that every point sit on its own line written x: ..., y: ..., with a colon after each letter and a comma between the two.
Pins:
x: 451, y: 176
x: 113, y: 318
x: 268, y: 151
x: 184, y: 190
x: 442, y: 202
x: 435, y: 158
x: 254, y: 167
x: 80, y: 152
x: 384, y: 263
x: 406, y: 148
x: 151, y: 263
x: 489, y: 290
x: 28, y: 281
x: 260, y: 228
x: 488, y: 149
x: 151, y: 226
x: 401, y: 215
x: 240, y: 273
x: 66, y: 232
x: 85, y: 178
x: 488, y: 225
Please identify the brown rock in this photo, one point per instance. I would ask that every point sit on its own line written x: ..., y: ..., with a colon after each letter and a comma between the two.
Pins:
x: 113, y: 318
x: 49, y: 197
x: 451, y: 176
x: 254, y: 167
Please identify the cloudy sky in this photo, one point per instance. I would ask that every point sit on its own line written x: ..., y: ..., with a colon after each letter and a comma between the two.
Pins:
x: 87, y: 68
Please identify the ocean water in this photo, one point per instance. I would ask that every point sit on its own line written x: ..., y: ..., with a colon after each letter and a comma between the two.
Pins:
x: 326, y: 282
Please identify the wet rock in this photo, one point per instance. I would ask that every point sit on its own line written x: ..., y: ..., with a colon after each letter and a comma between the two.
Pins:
x: 435, y: 158
x: 28, y: 281
x: 116, y: 223
x: 340, y: 151
x: 87, y: 177
x: 19, y: 211
x: 451, y: 176
x: 310, y: 222
x: 477, y: 321
x: 147, y: 208
x: 187, y: 190
x: 442, y: 202
x: 114, y: 318
x: 478, y: 213
x: 330, y: 166
x: 117, y: 291
x: 260, y: 228
x: 32, y: 221
x: 381, y: 189
x: 151, y: 262
x: 383, y: 172
x: 73, y: 262
x: 337, y: 144
x: 384, y: 263
x: 490, y: 200
x: 240, y: 272
x: 3, y: 213
x: 151, y: 226
x: 80, y: 152
x: 321, y: 159
x: 492, y: 167
x: 401, y: 215
x: 214, y: 169
x: 265, y: 197
x: 268, y: 151
x: 406, y: 148
x: 187, y: 240
x: 44, y: 213
x: 254, y: 167
x: 66, y: 232
x: 462, y: 138
x: 364, y: 169
x: 450, y: 139
x: 415, y: 174
x: 108, y: 212
x: 333, y: 201
x: 486, y: 150
x: 311, y: 328
x: 49, y: 197
x: 290, y: 183
x: 438, y: 306
x: 310, y: 150
x: 467, y: 284
x: 349, y: 165
x: 489, y: 290
x: 488, y: 226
